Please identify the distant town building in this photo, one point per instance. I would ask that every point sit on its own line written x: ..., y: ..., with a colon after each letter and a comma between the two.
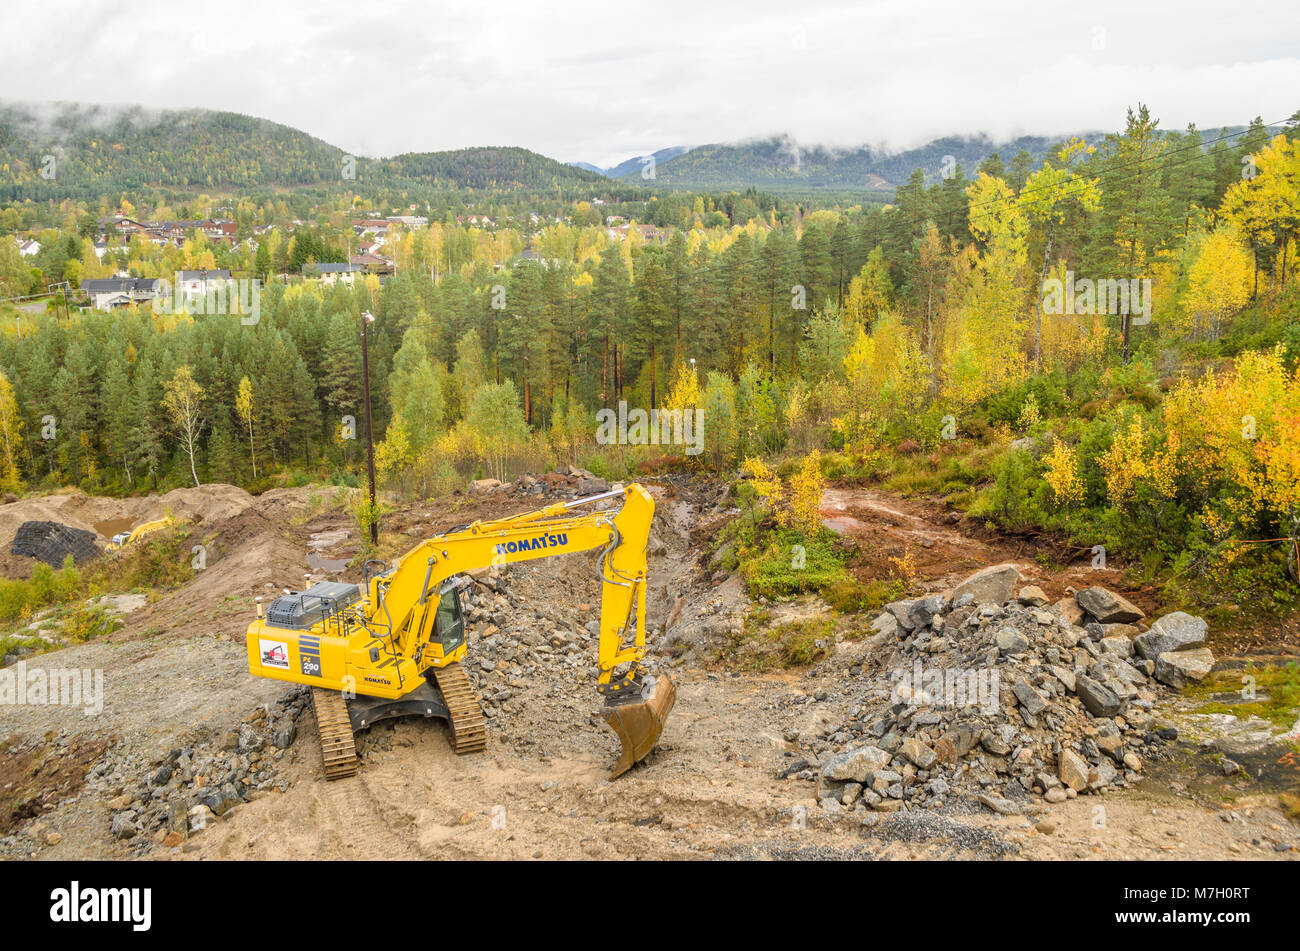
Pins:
x: 649, y: 233
x: 332, y: 273
x: 191, y: 283
x: 110, y: 293
x: 372, y: 263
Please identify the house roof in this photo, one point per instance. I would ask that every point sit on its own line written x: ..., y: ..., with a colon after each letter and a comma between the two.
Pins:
x: 222, y: 274
x: 330, y: 267
x: 119, y: 285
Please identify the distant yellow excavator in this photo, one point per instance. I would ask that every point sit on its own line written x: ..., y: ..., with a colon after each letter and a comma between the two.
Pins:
x: 122, y: 539
x: 395, y: 650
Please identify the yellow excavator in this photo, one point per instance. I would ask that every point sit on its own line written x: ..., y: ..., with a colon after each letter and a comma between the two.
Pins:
x: 393, y: 646
x: 122, y: 539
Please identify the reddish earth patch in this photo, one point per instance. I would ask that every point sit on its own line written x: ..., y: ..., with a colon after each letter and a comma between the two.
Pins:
x: 946, y: 546
x: 34, y: 774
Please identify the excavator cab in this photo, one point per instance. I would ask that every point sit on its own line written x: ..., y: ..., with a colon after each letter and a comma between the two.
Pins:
x: 449, y: 624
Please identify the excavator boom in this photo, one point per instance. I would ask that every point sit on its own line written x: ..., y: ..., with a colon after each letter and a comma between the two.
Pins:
x: 394, y: 647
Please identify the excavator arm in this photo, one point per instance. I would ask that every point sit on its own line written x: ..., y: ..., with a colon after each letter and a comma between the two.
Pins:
x: 409, y: 594
x: 387, y: 642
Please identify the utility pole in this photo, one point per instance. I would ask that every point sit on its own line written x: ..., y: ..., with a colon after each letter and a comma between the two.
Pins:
x: 366, y: 319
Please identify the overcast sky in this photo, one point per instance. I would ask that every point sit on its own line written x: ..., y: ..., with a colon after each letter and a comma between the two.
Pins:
x: 604, y: 81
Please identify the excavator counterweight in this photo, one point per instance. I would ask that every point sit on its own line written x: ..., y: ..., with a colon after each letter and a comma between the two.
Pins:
x: 392, y: 646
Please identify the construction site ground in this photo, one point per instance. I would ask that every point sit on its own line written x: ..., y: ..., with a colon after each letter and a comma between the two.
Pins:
x: 709, y: 791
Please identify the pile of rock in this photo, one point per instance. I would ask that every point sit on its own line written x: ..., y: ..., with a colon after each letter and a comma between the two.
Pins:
x: 518, y: 642
x: 164, y: 801
x: 566, y: 481
x: 994, y: 695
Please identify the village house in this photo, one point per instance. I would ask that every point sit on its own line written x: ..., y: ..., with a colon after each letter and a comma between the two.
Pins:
x: 111, y: 293
x: 372, y: 264
x: 331, y: 273
x: 649, y: 233
x: 195, y: 283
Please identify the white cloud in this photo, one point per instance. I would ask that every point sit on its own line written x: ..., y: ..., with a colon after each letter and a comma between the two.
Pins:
x: 601, y: 81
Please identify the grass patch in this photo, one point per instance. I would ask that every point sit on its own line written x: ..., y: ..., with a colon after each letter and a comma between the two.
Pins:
x: 785, y: 563
x: 160, y: 560
x: 22, y: 597
x: 1277, y: 691
x: 87, y: 621
x: 851, y: 596
x: 761, y: 646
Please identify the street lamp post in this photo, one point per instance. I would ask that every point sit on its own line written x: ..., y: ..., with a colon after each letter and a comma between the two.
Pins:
x: 366, y: 319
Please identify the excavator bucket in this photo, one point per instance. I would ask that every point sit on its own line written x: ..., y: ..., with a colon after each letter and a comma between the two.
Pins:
x: 639, y: 723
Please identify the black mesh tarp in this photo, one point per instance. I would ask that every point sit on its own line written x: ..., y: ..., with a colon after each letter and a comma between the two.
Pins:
x: 52, y: 542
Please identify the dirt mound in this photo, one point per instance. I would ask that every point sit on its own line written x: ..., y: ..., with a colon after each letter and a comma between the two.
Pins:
x: 207, y: 503
x: 88, y: 512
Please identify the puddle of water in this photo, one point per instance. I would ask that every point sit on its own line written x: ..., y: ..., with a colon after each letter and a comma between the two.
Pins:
x: 319, y: 563
x: 110, y: 527
x: 839, y: 524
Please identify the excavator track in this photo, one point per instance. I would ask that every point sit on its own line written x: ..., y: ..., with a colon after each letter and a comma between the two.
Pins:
x: 468, y: 728
x: 338, y: 749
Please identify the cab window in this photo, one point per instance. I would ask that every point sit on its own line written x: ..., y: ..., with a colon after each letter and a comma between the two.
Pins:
x: 449, y: 624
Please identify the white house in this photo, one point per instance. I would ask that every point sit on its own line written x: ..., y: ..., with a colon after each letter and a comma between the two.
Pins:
x: 195, y: 283
x: 331, y: 273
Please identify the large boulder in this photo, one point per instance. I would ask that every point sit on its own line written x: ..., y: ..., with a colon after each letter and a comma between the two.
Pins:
x: 1099, y: 699
x: 917, y: 753
x: 1029, y: 698
x: 1180, y: 668
x: 856, y: 765
x: 923, y: 610
x: 1072, y: 769
x: 1070, y: 611
x: 1032, y: 595
x: 993, y: 585
x: 1173, y: 632
x: 886, y: 626
x: 1010, y: 641
x: 1108, y: 607
x: 900, y: 610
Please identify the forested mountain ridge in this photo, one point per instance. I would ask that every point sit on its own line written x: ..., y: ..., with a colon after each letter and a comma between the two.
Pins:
x: 73, y: 150
x: 636, y: 163
x: 99, y: 147
x: 58, y: 150
x: 779, y: 162
x: 504, y: 167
